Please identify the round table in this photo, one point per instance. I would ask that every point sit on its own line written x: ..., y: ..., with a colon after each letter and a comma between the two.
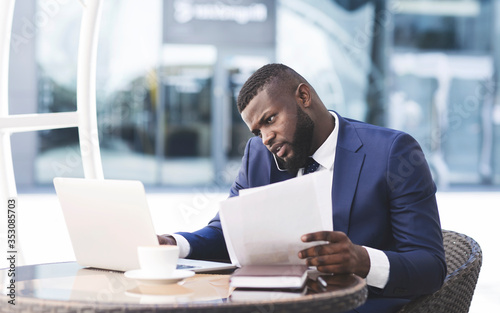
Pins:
x: 68, y: 287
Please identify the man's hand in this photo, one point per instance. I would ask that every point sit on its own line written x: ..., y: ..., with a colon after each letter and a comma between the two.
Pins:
x: 338, y: 256
x: 166, y: 240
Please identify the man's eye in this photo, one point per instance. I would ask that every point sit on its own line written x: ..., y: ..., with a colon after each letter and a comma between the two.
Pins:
x: 270, y: 119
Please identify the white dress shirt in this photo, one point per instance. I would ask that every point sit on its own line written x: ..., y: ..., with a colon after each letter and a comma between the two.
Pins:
x: 378, y: 274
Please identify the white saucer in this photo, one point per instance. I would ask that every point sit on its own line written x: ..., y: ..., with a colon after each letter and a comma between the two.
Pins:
x: 176, y: 276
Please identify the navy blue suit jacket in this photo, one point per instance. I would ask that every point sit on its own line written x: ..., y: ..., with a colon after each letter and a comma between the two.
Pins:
x: 383, y: 197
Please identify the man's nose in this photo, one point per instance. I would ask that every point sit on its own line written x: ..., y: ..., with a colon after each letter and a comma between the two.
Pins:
x: 267, y: 138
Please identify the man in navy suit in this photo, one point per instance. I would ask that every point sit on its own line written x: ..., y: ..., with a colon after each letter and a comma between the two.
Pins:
x: 386, y: 224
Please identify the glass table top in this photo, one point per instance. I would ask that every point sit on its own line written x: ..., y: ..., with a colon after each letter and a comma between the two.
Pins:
x: 69, y: 285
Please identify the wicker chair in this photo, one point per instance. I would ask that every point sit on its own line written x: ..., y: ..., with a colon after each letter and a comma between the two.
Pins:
x: 463, y: 260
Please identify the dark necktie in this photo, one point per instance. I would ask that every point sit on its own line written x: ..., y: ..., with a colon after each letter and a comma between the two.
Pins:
x: 310, y: 166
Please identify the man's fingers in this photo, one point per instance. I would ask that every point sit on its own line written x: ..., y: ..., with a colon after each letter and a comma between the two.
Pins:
x: 337, y: 256
x: 335, y: 268
x: 330, y: 236
x: 316, y: 251
x: 166, y: 240
x: 330, y: 259
x: 335, y: 239
x: 337, y: 264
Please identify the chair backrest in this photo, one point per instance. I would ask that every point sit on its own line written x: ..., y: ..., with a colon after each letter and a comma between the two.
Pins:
x: 463, y: 261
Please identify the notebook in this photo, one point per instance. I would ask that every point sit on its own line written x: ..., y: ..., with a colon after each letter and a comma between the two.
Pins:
x: 270, y: 276
x: 108, y: 219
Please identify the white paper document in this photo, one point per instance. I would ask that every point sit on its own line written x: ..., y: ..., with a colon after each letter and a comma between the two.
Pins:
x: 263, y: 225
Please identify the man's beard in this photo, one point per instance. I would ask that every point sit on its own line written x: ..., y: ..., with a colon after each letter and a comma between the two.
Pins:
x: 301, y: 144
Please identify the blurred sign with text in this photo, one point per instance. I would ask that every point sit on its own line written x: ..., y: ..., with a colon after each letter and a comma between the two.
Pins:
x: 223, y: 22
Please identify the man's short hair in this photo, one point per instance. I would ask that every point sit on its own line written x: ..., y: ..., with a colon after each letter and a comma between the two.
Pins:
x: 280, y: 76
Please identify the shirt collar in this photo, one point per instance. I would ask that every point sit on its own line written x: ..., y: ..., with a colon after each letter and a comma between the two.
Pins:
x: 325, y: 155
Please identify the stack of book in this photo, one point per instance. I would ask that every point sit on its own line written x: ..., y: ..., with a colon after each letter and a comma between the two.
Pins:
x: 268, y: 282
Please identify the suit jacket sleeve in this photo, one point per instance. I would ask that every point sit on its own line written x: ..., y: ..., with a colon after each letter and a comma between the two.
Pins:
x: 208, y: 243
x: 416, y: 256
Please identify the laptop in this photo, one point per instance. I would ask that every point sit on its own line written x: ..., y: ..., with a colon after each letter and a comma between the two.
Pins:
x: 108, y: 219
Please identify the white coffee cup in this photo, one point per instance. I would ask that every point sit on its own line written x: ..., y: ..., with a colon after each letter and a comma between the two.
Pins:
x: 158, y: 261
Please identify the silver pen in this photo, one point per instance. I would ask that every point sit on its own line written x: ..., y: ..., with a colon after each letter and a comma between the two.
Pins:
x: 322, y: 282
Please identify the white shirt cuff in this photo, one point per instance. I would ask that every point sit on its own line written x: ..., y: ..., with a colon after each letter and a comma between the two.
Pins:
x: 183, y: 244
x: 379, y: 268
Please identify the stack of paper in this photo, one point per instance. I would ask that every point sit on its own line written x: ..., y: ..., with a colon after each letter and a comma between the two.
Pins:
x: 264, y: 225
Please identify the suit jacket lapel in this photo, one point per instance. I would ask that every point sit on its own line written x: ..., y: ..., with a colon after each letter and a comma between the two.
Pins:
x: 348, y: 164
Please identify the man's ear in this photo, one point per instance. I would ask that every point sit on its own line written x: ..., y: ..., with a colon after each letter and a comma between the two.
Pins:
x: 303, y: 95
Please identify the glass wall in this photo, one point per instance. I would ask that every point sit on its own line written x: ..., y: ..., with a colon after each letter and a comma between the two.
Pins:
x: 127, y: 67
x: 165, y: 102
x: 169, y: 73
x: 443, y: 86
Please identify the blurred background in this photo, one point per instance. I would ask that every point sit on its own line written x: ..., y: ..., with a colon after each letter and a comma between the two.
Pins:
x: 169, y: 72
